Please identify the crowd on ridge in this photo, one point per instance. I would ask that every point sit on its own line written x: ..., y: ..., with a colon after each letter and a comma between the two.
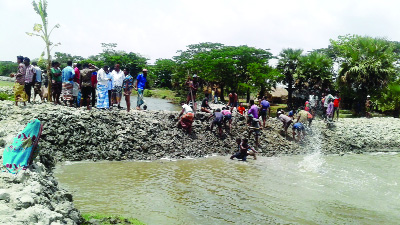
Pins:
x: 78, y: 85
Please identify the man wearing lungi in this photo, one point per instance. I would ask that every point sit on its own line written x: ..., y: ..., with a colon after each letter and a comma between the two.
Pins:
x: 19, y: 89
x: 68, y: 74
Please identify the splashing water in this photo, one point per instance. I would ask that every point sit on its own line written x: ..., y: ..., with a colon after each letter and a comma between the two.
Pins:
x: 314, y: 161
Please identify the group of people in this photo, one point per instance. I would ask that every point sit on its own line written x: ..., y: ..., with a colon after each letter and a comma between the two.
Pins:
x: 257, y: 115
x: 78, y: 86
x: 329, y: 105
x: 223, y: 117
x: 26, y: 77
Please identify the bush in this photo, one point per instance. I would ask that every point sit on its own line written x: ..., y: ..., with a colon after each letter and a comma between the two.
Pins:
x: 5, y: 96
x: 147, y: 93
x: 98, y: 218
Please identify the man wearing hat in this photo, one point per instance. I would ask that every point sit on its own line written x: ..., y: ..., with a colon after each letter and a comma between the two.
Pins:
x: 19, y: 89
x: 141, y: 80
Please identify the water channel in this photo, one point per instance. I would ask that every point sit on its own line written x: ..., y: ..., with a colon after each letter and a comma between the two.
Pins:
x: 310, y: 189
x: 153, y: 104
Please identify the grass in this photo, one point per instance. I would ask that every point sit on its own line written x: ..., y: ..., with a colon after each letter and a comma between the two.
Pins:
x: 6, y: 84
x: 274, y: 108
x: 109, y: 219
x: 5, y: 96
x: 162, y: 93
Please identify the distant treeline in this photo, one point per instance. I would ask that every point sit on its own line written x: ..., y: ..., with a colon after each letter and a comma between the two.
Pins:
x: 366, y: 66
x: 7, y: 67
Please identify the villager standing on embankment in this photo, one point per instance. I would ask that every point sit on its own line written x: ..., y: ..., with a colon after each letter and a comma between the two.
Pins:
x: 19, y: 89
x: 141, y: 80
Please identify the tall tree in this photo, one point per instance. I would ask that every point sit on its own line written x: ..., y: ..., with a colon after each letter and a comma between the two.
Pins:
x: 287, y: 64
x: 217, y: 66
x: 162, y: 71
x: 191, y: 62
x: 245, y: 56
x: 263, y: 77
x: 63, y: 58
x: 314, y: 72
x: 41, y: 10
x: 367, y: 65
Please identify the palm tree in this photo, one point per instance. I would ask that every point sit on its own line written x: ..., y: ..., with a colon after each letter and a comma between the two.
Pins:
x: 287, y: 64
x: 367, y: 65
x: 315, y: 71
x: 41, y: 10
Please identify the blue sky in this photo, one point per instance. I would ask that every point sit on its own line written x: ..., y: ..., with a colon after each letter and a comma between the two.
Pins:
x: 158, y: 28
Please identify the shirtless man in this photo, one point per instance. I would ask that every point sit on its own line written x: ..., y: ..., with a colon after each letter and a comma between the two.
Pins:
x: 193, y: 86
x: 244, y: 150
x: 233, y: 100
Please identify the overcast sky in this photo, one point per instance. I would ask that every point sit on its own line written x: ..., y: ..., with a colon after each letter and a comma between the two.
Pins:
x: 158, y: 28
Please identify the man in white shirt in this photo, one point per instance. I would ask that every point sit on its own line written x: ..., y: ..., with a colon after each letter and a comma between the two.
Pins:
x: 186, y: 120
x: 118, y: 78
x: 102, y: 88
x: 38, y: 82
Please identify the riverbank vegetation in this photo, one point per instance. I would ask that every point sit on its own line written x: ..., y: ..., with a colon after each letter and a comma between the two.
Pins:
x: 97, y: 218
x: 163, y: 93
x: 353, y: 65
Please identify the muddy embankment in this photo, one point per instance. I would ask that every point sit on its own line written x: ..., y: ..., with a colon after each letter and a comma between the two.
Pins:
x: 78, y: 134
x: 33, y: 197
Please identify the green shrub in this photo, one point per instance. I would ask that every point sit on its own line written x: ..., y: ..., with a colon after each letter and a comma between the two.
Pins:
x: 109, y: 219
x: 5, y: 96
x: 147, y: 93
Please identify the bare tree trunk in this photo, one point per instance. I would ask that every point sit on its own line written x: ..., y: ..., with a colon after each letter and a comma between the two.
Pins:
x: 262, y: 91
x: 221, y: 94
x: 248, y: 95
x: 290, y: 92
x: 49, y: 95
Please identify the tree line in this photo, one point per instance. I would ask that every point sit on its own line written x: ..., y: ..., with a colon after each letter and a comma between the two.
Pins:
x: 353, y: 65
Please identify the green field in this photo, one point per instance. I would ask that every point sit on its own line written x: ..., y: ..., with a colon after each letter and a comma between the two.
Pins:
x: 6, y: 84
x: 162, y: 93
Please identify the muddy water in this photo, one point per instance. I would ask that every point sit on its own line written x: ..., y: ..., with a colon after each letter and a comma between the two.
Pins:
x: 312, y: 189
x: 153, y: 104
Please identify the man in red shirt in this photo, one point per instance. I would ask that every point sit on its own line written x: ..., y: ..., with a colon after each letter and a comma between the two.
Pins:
x: 336, y: 104
x: 77, y: 77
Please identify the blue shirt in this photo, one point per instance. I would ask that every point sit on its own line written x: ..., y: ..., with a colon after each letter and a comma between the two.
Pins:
x: 38, y: 74
x: 110, y: 83
x: 141, y: 81
x: 265, y: 105
x: 67, y: 74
